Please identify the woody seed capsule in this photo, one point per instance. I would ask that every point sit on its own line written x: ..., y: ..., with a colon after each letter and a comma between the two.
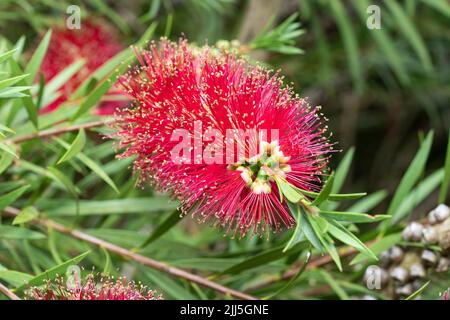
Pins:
x: 443, y: 265
x: 417, y: 270
x: 429, y: 235
x: 429, y: 257
x: 396, y: 254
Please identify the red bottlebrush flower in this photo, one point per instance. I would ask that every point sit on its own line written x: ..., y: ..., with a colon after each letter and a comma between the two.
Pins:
x: 107, y: 288
x: 95, y: 42
x: 193, y: 93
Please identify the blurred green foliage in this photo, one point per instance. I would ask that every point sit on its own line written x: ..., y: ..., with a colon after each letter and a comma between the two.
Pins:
x: 381, y: 89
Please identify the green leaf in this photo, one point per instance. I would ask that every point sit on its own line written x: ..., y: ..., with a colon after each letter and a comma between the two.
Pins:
x: 31, y: 108
x: 5, y: 128
x: 342, y: 171
x: 108, y: 265
x: 63, y: 180
x: 339, y: 178
x: 10, y: 81
x: 309, y: 232
x: 99, y: 92
x: 335, y: 286
x: 446, y: 181
x: 411, y: 176
x: 91, y: 165
x: 12, y: 196
x: 25, y: 215
x: 297, y: 235
x: 406, y: 26
x: 112, y: 15
x: 161, y: 229
x: 5, y: 161
x: 8, y: 149
x: 369, y: 202
x: 418, y: 292
x: 440, y: 5
x: 378, y: 247
x: 325, y: 192
x: 62, y: 77
x: 14, y: 92
x: 111, y: 64
x: 75, y: 148
x: 350, y: 43
x: 36, y: 60
x: 19, y: 233
x: 417, y: 195
x: 264, y: 258
x: 6, y: 55
x: 335, y: 196
x: 342, y: 234
x: 288, y: 190
x: 52, y: 272
x: 384, y: 41
x: 66, y: 207
x: 353, y: 216
x: 170, y: 286
x: 332, y: 251
x: 293, y: 279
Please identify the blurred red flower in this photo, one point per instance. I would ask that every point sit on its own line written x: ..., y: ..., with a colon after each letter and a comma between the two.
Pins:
x: 95, y: 42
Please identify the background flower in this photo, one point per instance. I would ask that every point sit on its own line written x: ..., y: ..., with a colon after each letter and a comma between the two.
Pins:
x: 95, y: 42
x: 92, y: 287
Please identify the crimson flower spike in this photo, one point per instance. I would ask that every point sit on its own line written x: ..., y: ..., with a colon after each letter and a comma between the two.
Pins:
x: 217, y: 132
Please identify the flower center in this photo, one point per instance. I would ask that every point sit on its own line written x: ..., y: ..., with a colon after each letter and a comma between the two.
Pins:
x: 260, y: 170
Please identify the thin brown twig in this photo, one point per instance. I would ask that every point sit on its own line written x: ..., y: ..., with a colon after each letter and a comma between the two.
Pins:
x: 8, y: 293
x: 58, y: 131
x: 161, y: 266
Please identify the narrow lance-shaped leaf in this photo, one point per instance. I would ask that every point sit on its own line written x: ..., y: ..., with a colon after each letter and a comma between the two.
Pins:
x: 91, y: 165
x: 36, y: 60
x: 5, y: 161
x: 16, y: 233
x: 11, y: 81
x: 353, y: 216
x: 379, y: 246
x: 6, y: 55
x: 407, y: 27
x: 8, y: 149
x: 369, y: 202
x: 9, y: 198
x: 25, y: 215
x: 350, y: 43
x: 297, y: 235
x: 342, y: 234
x: 264, y: 258
x: 53, y: 272
x: 411, y: 176
x: 325, y: 192
x: 418, y: 195
x: 75, y: 148
x: 165, y: 226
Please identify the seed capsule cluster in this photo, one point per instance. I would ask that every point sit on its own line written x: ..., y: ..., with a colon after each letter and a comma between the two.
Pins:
x: 403, y: 269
